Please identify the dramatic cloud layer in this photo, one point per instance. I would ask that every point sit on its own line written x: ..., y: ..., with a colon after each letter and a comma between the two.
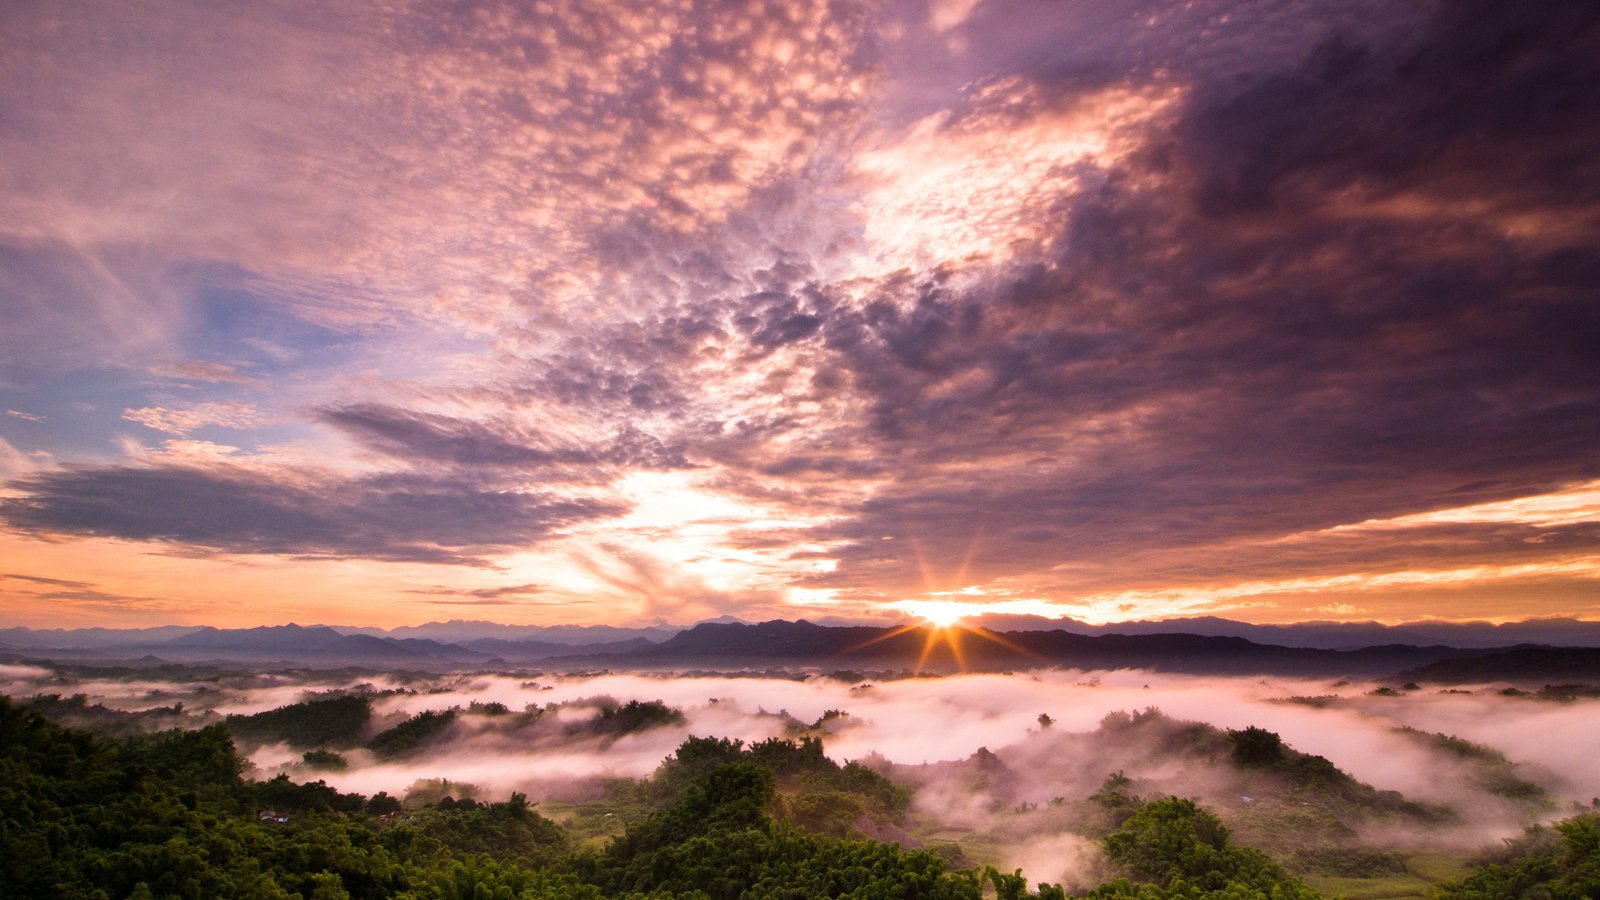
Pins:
x: 801, y: 308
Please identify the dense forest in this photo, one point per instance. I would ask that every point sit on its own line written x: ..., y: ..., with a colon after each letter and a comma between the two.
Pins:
x: 171, y: 814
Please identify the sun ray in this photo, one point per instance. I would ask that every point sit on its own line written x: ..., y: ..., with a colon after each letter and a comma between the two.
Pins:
x: 922, y: 558
x: 992, y: 637
x: 882, y: 637
x: 927, y: 649
x: 952, y: 637
x: 972, y: 550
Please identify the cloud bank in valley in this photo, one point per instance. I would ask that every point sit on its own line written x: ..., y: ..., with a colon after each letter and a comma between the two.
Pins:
x: 906, y: 721
x: 983, y: 764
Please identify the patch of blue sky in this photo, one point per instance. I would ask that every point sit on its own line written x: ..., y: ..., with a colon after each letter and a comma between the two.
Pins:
x: 79, y: 414
x: 259, y: 334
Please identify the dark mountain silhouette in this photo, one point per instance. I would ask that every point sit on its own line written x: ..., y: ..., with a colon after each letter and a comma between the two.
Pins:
x: 1546, y: 664
x: 1560, y: 632
x: 91, y: 637
x: 287, y: 637
x: 316, y: 645
x: 802, y: 643
x: 533, y: 651
x: 467, y: 632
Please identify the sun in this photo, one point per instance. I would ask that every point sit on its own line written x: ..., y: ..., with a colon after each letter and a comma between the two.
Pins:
x: 938, y: 614
x: 942, y: 624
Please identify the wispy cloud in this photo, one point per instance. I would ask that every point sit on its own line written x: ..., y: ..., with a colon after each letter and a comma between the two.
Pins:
x: 52, y: 582
x: 203, y: 370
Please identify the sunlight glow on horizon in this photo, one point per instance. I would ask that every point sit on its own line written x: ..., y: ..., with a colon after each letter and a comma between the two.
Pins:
x: 945, y: 613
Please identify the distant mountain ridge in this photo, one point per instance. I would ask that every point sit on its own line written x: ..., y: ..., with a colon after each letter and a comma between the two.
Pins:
x: 316, y: 643
x: 91, y: 637
x: 782, y: 643
x: 1561, y: 632
x: 294, y: 644
x: 479, y: 634
x: 1212, y: 647
x: 466, y: 631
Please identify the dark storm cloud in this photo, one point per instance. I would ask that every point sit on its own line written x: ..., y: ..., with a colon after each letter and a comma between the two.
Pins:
x: 1362, y: 287
x: 395, y: 517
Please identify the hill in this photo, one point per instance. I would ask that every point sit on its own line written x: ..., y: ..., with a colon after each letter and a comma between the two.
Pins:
x: 801, y: 643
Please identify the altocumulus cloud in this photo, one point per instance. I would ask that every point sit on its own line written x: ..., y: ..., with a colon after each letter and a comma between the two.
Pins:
x: 1358, y: 283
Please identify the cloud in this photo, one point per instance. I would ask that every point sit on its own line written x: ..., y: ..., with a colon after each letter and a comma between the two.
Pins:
x: 1100, y: 302
x: 59, y: 591
x: 438, y: 438
x: 930, y: 720
x: 52, y: 582
x: 576, y: 128
x: 15, y: 463
x: 203, y: 370
x: 393, y: 517
x: 71, y: 306
x: 1306, y: 300
x: 181, y: 421
x: 506, y: 595
x: 489, y: 593
x: 99, y: 598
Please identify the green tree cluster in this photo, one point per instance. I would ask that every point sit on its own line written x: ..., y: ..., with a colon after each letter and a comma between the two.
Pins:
x: 320, y: 722
x: 169, y: 815
x: 1561, y: 862
x: 720, y: 840
x: 813, y: 791
x: 635, y: 715
x: 1180, y: 850
x: 411, y: 735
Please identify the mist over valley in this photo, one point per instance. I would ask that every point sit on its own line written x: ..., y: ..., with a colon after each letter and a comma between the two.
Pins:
x: 1345, y: 779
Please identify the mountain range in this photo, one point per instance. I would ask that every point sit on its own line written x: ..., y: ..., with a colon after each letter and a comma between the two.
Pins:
x: 1377, y: 651
x: 1560, y: 632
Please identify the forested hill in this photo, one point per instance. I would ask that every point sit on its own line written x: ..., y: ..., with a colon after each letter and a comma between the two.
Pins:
x: 171, y: 815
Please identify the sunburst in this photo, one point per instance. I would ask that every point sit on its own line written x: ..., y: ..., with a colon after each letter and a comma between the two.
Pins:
x: 945, y: 630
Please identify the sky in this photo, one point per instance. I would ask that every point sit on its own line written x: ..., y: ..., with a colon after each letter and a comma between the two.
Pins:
x: 638, y: 312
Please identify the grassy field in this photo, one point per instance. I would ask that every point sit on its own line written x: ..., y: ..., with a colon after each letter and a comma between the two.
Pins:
x: 592, y: 821
x: 1423, y: 872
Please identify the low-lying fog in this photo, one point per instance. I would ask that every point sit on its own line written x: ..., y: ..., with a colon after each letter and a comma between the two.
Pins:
x: 900, y: 724
x: 919, y: 720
